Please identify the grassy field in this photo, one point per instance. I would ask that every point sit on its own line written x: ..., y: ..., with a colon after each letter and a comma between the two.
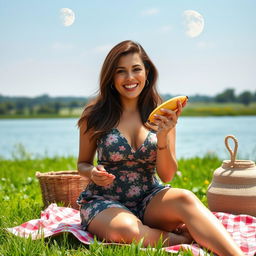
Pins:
x: 219, y: 109
x: 20, y: 201
x: 192, y: 109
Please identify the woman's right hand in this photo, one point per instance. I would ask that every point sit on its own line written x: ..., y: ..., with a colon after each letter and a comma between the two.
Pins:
x: 101, y: 177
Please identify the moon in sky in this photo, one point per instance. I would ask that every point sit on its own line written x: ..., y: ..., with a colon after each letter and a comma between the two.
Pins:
x: 67, y: 16
x: 194, y: 23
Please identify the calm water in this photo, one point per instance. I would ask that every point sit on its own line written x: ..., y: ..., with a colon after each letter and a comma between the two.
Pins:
x: 196, y: 136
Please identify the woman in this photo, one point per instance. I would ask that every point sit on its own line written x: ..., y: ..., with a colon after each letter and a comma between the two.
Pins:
x: 124, y: 201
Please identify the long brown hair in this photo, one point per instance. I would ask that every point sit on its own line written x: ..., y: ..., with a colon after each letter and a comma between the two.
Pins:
x: 103, y: 113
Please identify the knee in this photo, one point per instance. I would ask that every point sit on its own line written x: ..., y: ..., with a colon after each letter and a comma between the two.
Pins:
x: 127, y: 232
x: 187, y: 197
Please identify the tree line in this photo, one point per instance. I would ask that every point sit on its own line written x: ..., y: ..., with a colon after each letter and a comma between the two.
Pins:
x: 45, y: 104
x: 227, y: 96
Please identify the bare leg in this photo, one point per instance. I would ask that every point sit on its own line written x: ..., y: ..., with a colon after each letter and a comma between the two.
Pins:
x: 172, y: 206
x: 120, y: 225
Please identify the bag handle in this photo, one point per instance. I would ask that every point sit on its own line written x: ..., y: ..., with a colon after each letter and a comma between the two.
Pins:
x: 232, y: 153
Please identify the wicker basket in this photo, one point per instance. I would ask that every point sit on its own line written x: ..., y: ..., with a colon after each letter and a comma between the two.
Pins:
x: 61, y: 187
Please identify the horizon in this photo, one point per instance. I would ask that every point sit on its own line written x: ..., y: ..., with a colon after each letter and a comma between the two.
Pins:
x: 198, y: 47
x: 94, y: 95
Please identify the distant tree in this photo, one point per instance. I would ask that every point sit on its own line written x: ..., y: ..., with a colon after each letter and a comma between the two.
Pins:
x: 227, y: 96
x: 57, y: 106
x: 45, y: 109
x: 254, y: 97
x: 10, y: 106
x: 6, y: 107
x: 45, y: 98
x: 31, y: 110
x: 245, y: 97
x: 200, y: 98
x: 3, y: 109
x: 20, y: 107
x: 72, y: 105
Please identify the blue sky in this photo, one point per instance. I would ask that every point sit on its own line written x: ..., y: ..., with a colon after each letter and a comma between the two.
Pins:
x: 39, y: 55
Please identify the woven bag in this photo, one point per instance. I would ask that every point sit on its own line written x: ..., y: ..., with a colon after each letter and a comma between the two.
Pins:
x: 61, y: 187
x: 233, y: 187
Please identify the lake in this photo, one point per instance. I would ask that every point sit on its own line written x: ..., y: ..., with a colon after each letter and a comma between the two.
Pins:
x: 196, y: 136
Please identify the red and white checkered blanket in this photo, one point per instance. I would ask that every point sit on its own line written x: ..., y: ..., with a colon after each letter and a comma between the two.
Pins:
x: 55, y: 220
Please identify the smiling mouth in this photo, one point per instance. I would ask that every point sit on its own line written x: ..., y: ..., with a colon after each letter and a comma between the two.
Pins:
x: 130, y: 86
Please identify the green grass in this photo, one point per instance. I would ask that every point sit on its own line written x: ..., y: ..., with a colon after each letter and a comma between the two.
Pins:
x: 219, y: 109
x: 20, y: 201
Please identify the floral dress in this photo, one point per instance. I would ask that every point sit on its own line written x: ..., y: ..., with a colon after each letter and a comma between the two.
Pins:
x: 135, y: 183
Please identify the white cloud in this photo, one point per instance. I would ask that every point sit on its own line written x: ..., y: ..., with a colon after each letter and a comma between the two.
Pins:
x: 150, y: 12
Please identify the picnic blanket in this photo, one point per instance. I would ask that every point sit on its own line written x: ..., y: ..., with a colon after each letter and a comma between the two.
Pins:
x: 55, y: 220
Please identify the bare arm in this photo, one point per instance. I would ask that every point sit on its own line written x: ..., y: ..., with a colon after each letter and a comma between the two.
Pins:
x: 87, y: 149
x: 85, y: 167
x: 166, y: 163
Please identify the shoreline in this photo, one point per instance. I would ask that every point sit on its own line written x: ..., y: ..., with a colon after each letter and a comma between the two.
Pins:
x: 199, y: 109
x: 192, y: 114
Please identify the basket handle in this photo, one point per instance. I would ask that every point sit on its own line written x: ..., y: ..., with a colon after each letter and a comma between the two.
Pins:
x: 232, y: 153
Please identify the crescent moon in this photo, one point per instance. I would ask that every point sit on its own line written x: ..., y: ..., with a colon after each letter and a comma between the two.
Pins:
x: 194, y: 23
x: 67, y: 16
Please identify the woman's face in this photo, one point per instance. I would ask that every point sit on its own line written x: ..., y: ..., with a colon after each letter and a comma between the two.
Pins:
x: 130, y: 76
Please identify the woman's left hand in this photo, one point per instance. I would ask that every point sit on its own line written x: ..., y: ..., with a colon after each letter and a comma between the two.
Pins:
x: 168, y: 120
